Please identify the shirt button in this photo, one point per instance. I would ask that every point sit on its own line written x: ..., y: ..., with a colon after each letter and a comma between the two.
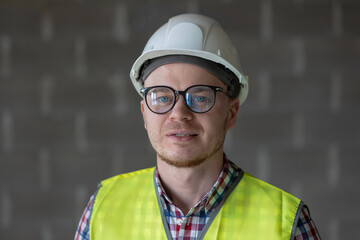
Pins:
x: 179, y: 221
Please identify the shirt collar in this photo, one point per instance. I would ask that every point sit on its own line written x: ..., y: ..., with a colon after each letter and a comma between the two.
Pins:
x: 226, y: 178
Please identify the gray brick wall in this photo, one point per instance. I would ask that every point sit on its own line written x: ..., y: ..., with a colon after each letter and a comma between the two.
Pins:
x: 69, y: 116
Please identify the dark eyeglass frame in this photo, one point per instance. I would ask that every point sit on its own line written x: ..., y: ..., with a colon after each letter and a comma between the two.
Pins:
x: 215, y: 89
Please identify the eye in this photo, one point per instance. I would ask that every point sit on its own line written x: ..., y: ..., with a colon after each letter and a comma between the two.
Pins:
x: 163, y: 99
x: 199, y: 99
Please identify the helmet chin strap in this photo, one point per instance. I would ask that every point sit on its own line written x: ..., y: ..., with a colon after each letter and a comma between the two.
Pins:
x: 220, y: 71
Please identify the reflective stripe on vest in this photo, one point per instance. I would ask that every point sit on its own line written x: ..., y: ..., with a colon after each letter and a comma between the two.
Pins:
x: 126, y: 207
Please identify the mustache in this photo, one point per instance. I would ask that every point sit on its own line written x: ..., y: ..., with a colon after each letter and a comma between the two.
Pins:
x: 181, y: 126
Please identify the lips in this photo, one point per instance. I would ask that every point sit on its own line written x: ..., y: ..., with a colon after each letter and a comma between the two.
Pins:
x: 181, y: 133
x: 182, y: 139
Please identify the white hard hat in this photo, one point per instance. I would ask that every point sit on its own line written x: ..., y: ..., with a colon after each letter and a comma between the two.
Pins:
x: 191, y: 35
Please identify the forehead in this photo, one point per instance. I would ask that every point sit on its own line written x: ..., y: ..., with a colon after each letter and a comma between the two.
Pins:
x: 181, y: 75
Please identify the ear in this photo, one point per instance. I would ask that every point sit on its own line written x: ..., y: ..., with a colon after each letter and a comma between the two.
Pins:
x: 143, y: 113
x: 234, y: 106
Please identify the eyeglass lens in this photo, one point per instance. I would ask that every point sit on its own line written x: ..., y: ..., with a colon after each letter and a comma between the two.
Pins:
x: 198, y: 98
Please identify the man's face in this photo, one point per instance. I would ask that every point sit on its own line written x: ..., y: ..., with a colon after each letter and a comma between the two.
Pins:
x: 181, y: 137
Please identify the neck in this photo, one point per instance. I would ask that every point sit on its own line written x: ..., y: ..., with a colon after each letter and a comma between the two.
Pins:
x: 187, y: 186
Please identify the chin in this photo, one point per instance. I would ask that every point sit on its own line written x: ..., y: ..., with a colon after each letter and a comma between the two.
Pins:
x: 182, y: 163
x: 186, y: 156
x: 182, y: 158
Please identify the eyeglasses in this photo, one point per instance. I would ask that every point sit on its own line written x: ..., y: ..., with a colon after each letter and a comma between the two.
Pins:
x: 198, y: 98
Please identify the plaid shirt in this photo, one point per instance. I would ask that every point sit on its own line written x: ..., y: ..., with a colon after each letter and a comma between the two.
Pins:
x: 189, y: 226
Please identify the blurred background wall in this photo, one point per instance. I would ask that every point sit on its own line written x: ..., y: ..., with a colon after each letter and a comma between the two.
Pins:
x: 69, y: 116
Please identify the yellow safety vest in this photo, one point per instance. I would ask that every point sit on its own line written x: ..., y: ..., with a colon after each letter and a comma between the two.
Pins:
x: 127, y: 207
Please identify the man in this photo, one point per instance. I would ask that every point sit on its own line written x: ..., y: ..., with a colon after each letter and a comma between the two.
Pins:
x: 190, y: 80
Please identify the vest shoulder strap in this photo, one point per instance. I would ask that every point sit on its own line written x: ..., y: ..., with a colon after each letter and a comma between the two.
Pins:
x: 255, y: 210
x: 124, y: 202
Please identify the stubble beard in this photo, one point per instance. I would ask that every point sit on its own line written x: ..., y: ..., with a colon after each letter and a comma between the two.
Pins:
x: 196, y: 161
x: 190, y: 163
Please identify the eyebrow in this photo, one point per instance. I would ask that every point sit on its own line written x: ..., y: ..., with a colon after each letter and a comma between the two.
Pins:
x: 161, y: 89
x: 199, y: 89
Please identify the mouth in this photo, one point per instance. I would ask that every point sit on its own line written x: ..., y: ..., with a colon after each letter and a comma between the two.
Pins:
x: 182, y: 136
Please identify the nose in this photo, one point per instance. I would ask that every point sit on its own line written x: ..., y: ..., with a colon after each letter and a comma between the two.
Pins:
x: 180, y: 111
